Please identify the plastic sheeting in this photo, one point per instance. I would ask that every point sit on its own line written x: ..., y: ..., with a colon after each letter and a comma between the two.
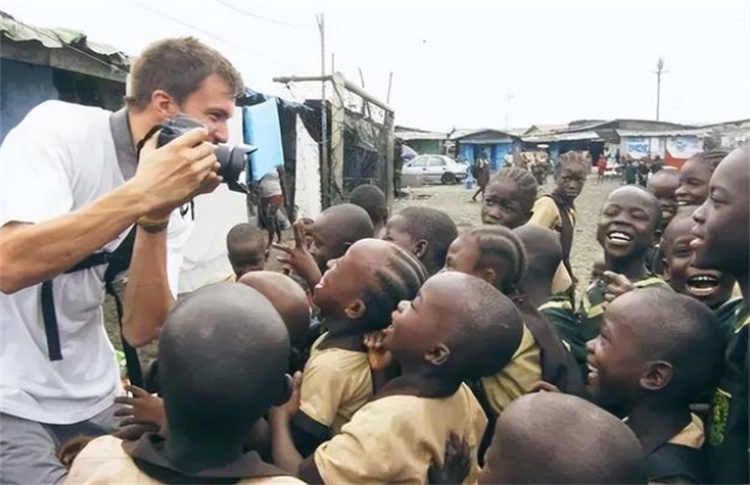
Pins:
x: 263, y: 131
x: 307, y: 174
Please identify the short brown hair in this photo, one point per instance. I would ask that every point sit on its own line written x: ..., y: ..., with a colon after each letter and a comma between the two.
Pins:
x: 178, y: 66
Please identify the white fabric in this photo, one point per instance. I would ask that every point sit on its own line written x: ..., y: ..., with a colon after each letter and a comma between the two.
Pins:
x: 215, y: 214
x: 307, y: 176
x: 60, y: 158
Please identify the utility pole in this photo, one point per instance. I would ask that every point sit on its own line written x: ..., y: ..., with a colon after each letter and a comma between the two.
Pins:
x: 324, y: 169
x: 659, y: 71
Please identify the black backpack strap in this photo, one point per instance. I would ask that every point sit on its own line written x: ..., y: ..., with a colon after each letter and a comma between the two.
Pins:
x: 119, y: 262
x: 49, y: 317
x: 671, y: 460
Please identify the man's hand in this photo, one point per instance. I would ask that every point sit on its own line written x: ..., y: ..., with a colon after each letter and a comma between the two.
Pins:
x: 142, y: 409
x: 299, y: 258
x: 543, y: 386
x: 175, y: 173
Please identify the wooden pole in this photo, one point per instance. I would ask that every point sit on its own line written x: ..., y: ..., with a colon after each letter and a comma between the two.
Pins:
x: 324, y: 168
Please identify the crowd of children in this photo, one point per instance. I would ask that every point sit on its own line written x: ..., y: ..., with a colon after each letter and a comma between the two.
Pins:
x: 397, y: 349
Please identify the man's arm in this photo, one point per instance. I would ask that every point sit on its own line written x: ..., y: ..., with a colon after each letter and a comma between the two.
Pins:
x: 32, y: 253
x: 166, y: 178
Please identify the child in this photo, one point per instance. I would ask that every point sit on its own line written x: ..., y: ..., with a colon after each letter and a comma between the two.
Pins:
x: 663, y: 185
x: 222, y: 356
x: 246, y: 249
x: 722, y: 244
x: 695, y: 175
x: 286, y: 296
x: 271, y: 203
x: 482, y: 174
x: 713, y: 288
x: 644, y: 364
x: 556, y: 438
x: 509, y: 198
x: 356, y: 296
x: 496, y: 255
x: 335, y: 229
x: 371, y: 199
x: 625, y: 230
x: 423, y: 231
x: 458, y: 328
x: 544, y: 254
x: 291, y: 301
x: 557, y: 210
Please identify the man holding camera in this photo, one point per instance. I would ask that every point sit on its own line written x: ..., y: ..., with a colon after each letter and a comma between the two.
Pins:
x: 74, y: 181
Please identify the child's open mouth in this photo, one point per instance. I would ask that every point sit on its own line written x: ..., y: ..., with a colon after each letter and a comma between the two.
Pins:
x: 619, y: 238
x: 702, y: 285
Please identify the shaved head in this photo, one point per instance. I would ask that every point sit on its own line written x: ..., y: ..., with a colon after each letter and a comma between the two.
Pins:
x: 558, y: 438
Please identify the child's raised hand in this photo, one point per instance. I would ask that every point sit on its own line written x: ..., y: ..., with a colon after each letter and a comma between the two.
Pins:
x: 142, y: 409
x: 456, y: 463
x: 617, y: 285
x: 377, y: 355
x: 299, y: 258
x: 290, y: 408
x: 544, y: 386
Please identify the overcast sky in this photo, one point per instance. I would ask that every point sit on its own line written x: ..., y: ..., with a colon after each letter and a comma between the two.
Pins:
x: 463, y: 64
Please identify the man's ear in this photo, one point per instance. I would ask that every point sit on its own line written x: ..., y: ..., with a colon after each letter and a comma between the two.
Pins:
x: 355, y: 310
x: 163, y: 103
x: 438, y: 355
x: 657, y: 376
x: 420, y: 248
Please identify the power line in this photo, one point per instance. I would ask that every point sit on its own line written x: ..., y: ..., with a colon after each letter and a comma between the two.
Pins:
x: 266, y: 19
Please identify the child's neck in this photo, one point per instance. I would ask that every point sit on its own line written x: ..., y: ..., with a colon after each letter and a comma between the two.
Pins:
x: 537, y: 291
x: 633, y: 267
x: 212, y: 452
x: 340, y: 326
x: 649, y: 418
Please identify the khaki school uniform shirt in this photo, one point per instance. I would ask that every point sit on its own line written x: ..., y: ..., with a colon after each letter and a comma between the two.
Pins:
x: 104, y: 462
x: 335, y: 384
x: 394, y: 439
x: 546, y: 214
x: 517, y: 377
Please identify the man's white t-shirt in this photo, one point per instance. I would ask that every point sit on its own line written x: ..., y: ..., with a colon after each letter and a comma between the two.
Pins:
x: 60, y: 158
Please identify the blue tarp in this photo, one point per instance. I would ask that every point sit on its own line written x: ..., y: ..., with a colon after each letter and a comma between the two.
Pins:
x: 262, y: 129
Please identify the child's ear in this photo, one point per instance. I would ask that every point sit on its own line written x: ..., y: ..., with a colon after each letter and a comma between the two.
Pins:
x: 667, y: 273
x: 420, y: 248
x: 657, y: 237
x: 355, y: 310
x: 438, y: 355
x: 657, y: 375
x: 490, y: 276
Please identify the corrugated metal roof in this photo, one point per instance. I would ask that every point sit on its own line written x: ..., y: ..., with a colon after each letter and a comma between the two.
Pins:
x: 575, y: 136
x: 663, y: 133
x: 17, y: 31
x: 464, y: 133
x: 421, y: 135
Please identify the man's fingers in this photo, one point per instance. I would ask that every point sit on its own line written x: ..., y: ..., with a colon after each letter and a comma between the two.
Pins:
x: 191, y: 138
x: 124, y: 412
x: 137, y: 391
x: 201, y: 151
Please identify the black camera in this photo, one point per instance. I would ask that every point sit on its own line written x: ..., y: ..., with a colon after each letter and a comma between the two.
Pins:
x: 233, y: 160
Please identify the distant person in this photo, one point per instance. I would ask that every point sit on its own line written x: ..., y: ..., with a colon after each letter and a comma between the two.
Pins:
x: 630, y: 172
x: 657, y: 164
x: 246, y: 249
x: 643, y: 171
x: 601, y: 168
x: 398, y: 166
x: 271, y: 205
x: 482, y: 174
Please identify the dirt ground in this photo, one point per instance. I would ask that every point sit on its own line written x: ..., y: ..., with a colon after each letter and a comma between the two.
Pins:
x: 456, y: 201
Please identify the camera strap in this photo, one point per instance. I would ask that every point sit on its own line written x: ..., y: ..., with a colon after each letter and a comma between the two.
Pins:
x: 117, y: 261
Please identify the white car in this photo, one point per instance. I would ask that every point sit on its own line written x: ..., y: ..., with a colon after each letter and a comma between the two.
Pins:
x: 432, y: 169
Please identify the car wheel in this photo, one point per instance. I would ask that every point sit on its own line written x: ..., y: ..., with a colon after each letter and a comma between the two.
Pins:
x: 448, y: 179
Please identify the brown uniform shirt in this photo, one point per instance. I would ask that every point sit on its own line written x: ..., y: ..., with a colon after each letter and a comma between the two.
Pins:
x: 104, y: 462
x: 394, y: 439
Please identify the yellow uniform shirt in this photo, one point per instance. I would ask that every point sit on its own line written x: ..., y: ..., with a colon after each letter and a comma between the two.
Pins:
x: 394, y: 439
x: 104, y: 462
x: 517, y: 377
x: 546, y: 214
x: 335, y: 384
